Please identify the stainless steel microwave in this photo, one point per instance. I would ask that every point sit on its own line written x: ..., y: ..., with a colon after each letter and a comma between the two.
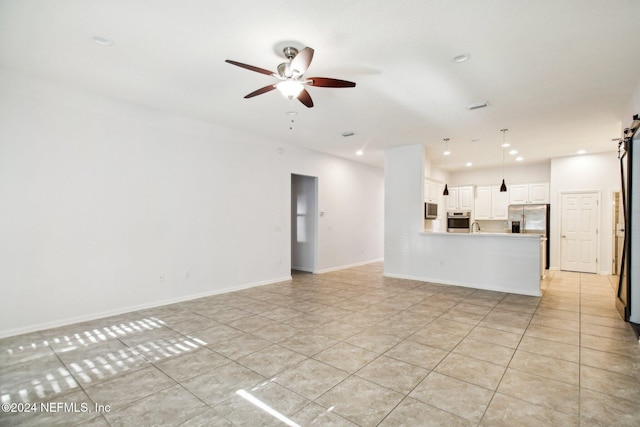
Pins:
x: 430, y: 210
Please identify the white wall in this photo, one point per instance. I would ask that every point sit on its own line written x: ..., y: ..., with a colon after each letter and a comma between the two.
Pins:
x: 590, y: 172
x: 516, y: 174
x: 107, y: 207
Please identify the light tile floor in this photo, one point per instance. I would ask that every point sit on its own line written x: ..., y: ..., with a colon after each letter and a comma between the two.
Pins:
x: 345, y: 348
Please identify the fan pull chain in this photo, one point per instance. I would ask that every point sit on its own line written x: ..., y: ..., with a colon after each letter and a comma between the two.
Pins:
x: 292, y: 113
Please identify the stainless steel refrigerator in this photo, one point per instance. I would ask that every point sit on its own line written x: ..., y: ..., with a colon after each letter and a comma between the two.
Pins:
x: 531, y: 219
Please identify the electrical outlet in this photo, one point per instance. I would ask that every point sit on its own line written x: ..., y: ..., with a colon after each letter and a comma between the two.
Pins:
x: 161, y: 278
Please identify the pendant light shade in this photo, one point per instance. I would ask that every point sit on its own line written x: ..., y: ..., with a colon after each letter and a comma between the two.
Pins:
x: 503, y: 187
x: 446, y: 153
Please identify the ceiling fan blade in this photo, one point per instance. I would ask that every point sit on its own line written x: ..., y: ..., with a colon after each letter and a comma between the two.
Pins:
x: 250, y: 67
x: 327, y: 82
x: 305, y: 98
x: 301, y: 61
x: 261, y: 91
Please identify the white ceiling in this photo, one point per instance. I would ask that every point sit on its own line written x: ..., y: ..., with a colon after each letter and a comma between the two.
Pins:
x: 557, y: 73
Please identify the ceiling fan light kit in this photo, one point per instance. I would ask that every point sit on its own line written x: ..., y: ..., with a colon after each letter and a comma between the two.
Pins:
x: 290, y: 88
x: 292, y: 83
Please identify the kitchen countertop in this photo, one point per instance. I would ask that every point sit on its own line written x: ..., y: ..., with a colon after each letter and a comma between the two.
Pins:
x: 487, y: 233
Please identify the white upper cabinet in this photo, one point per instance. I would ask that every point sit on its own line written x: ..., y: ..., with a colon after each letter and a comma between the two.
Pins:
x: 490, y: 203
x: 433, y: 194
x: 465, y: 197
x: 539, y: 192
x: 499, y: 203
x: 483, y: 203
x: 452, y: 199
x: 460, y: 198
x: 432, y: 191
x: 520, y: 194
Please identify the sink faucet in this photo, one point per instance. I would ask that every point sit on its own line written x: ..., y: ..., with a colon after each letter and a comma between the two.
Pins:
x: 473, y: 225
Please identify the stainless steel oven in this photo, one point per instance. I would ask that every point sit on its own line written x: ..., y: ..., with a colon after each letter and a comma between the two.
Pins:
x: 458, y: 222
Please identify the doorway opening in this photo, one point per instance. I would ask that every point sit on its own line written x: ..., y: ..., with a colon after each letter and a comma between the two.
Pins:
x: 579, y: 231
x: 304, y: 223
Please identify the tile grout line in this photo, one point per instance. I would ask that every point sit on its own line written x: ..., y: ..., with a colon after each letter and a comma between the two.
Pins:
x: 580, y: 349
x: 509, y: 363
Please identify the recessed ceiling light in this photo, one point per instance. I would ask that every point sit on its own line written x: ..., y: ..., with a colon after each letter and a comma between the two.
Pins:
x: 477, y: 105
x: 348, y: 133
x: 505, y: 145
x: 292, y: 113
x: 475, y: 140
x: 102, y: 41
x: 446, y: 153
x: 512, y: 152
x: 519, y: 159
x: 469, y: 164
x: 359, y: 153
x: 582, y: 151
x: 461, y: 58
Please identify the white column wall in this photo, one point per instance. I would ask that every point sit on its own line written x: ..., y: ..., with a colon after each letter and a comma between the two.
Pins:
x: 403, y: 172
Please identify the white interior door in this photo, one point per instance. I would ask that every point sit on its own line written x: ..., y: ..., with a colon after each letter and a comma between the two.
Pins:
x: 579, y: 232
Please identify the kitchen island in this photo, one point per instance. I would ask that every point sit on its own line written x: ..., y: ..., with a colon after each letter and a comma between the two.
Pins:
x: 493, y: 261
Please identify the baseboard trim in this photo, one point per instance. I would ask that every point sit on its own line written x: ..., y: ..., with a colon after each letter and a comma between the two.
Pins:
x: 601, y: 273
x: 342, y: 267
x: 464, y: 285
x: 128, y: 309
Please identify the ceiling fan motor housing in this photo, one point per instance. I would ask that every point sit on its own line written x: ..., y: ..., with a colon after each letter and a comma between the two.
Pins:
x: 290, y: 52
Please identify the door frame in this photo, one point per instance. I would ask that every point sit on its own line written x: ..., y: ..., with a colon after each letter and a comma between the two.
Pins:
x: 312, y: 192
x: 616, y: 196
x: 561, y: 195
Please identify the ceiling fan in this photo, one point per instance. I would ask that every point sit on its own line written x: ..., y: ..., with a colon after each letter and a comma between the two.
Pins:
x: 291, y: 76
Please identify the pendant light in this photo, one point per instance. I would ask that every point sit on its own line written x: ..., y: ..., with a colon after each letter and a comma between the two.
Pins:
x: 446, y: 154
x: 503, y: 187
